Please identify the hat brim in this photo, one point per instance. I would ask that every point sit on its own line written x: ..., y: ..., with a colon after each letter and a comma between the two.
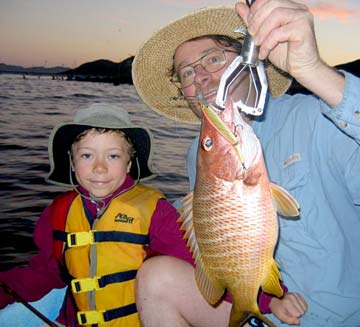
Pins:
x: 63, y: 136
x: 154, y: 61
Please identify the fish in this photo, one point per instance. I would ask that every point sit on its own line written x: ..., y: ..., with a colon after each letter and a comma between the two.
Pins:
x: 230, y: 219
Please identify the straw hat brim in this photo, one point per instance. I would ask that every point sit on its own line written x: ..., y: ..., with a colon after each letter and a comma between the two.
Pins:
x: 154, y: 61
x: 63, y: 136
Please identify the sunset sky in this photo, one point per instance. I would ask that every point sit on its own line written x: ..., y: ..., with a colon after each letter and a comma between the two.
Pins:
x: 71, y: 32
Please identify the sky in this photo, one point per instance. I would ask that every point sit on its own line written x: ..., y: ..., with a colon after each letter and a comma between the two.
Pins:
x: 72, y: 32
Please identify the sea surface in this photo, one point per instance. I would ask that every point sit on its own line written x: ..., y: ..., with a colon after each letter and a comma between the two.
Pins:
x: 29, y: 109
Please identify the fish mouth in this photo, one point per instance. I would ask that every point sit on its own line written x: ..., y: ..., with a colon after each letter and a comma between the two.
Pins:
x: 211, y: 115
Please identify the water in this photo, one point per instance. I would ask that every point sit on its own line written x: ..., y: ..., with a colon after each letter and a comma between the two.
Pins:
x: 29, y: 108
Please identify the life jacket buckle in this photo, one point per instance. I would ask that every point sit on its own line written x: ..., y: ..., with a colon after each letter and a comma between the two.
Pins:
x: 81, y: 285
x: 80, y: 239
x: 90, y: 317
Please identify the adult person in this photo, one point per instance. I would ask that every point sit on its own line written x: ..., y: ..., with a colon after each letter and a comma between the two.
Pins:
x: 310, y: 144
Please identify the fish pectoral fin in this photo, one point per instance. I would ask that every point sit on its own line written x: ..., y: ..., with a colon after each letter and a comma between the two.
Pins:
x: 272, y: 282
x: 211, y: 290
x: 285, y: 203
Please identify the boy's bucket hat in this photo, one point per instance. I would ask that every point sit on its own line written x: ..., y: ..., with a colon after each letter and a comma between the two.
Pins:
x: 153, y: 64
x: 102, y: 116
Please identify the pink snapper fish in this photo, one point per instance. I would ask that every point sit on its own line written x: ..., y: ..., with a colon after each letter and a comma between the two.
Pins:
x: 230, y: 219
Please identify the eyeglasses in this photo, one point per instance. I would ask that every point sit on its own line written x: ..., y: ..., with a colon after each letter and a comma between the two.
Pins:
x: 211, y: 62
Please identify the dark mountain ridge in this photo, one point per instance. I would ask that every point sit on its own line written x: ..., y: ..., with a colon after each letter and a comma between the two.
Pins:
x: 13, y: 69
x: 103, y: 71
x: 108, y: 71
x: 352, y: 67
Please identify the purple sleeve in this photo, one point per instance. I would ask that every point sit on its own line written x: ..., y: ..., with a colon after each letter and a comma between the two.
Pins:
x: 41, y: 275
x: 166, y: 237
x: 265, y: 299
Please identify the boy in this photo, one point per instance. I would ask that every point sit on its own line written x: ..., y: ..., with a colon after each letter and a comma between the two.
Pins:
x: 94, y: 237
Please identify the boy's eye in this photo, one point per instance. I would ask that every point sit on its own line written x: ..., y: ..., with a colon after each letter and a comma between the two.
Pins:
x: 86, y: 156
x: 114, y: 156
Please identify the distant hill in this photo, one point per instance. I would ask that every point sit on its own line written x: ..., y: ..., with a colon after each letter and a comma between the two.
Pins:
x: 31, y: 70
x: 119, y: 73
x: 352, y: 67
x: 103, y: 71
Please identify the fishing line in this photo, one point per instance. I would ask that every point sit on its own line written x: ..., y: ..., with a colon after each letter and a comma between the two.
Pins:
x: 27, y: 305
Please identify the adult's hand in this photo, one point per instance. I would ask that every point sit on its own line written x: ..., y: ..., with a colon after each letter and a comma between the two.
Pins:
x: 284, y: 33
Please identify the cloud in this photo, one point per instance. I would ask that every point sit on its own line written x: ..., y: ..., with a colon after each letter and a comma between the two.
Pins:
x: 344, y: 12
x: 194, y: 3
x: 123, y: 22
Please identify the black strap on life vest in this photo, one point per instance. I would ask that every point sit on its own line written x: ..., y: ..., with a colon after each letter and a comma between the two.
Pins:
x: 109, y: 314
x: 102, y: 281
x: 104, y: 236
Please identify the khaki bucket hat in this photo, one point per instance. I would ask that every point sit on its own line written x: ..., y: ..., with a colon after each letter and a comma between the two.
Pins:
x: 102, y: 116
x: 153, y: 63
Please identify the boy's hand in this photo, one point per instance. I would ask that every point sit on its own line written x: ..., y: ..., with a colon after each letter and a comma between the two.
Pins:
x: 289, y: 308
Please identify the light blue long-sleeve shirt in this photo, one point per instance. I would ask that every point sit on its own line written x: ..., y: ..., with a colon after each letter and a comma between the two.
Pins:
x: 313, y: 151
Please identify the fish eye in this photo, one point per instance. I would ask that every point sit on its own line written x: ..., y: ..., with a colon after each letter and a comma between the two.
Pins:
x: 207, y: 144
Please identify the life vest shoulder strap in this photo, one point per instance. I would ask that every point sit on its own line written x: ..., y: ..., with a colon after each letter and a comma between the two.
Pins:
x: 58, y: 214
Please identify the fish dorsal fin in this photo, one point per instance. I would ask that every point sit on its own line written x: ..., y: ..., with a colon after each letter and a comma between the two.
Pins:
x: 285, y: 203
x: 272, y: 282
x: 210, y: 289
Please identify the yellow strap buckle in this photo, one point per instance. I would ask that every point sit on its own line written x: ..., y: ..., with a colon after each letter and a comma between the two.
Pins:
x: 90, y: 317
x: 80, y: 239
x: 80, y: 285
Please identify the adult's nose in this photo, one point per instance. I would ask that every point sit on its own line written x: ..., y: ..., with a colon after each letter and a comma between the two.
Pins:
x: 201, y: 75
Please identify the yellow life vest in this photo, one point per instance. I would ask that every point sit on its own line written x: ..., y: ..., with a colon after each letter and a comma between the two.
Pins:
x: 104, y: 258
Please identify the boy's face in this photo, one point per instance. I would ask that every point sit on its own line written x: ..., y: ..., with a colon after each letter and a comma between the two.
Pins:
x: 101, y: 162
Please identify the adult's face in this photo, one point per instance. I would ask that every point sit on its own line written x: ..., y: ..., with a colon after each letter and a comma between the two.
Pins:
x: 205, y: 83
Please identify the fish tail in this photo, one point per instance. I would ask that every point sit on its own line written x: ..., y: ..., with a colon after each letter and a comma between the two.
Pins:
x: 237, y: 318
x: 256, y: 321
x: 252, y: 317
x: 266, y: 321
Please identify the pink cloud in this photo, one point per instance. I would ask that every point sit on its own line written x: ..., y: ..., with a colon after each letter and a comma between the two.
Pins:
x: 193, y: 3
x: 123, y: 22
x: 341, y: 11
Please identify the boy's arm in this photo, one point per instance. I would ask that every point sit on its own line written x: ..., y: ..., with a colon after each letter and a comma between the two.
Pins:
x: 42, y: 273
x: 166, y: 237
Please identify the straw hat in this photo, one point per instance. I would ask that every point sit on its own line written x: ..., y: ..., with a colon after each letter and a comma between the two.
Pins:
x: 102, y: 116
x: 154, y: 61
